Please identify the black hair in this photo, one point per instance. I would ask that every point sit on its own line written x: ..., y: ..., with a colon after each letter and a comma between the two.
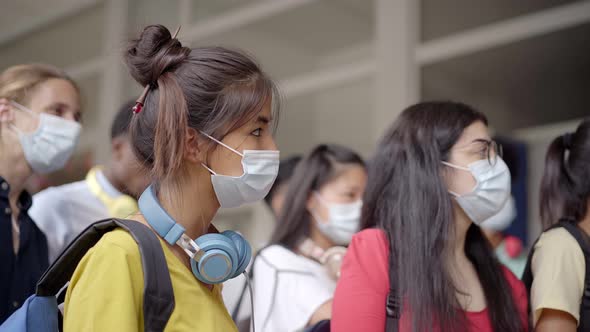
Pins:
x: 406, y: 196
x: 122, y: 121
x: 565, y: 188
x: 286, y: 169
x: 320, y: 166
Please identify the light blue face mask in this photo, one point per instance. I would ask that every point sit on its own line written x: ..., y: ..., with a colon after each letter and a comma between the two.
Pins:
x: 260, y: 171
x: 51, y: 145
x: 491, y: 191
x: 343, y: 220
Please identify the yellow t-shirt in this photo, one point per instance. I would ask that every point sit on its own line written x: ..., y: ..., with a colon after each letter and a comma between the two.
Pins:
x: 558, y: 274
x: 106, y: 292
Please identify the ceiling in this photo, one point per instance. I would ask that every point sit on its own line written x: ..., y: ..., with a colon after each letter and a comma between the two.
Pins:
x: 442, y: 18
x: 18, y: 16
x: 529, y: 83
x: 532, y: 82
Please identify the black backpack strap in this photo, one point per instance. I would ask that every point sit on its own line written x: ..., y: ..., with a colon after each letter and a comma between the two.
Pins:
x: 393, y: 304
x: 158, y: 297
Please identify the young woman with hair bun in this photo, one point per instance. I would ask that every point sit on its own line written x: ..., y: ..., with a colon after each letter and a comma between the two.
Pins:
x: 203, y: 128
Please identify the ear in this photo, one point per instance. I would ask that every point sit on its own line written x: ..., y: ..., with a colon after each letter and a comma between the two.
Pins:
x: 312, y: 203
x: 117, y: 147
x: 193, y: 147
x: 6, y: 112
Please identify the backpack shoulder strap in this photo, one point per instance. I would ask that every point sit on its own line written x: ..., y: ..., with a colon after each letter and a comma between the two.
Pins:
x: 393, y: 304
x: 158, y: 298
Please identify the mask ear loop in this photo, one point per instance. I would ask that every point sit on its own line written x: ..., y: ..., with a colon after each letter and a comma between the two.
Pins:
x: 461, y: 168
x: 222, y: 144
x: 455, y: 166
x: 23, y: 109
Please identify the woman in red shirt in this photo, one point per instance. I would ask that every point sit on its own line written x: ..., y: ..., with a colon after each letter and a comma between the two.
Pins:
x: 435, y: 177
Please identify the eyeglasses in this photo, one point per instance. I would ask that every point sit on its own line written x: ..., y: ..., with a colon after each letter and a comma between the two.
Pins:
x: 493, y: 150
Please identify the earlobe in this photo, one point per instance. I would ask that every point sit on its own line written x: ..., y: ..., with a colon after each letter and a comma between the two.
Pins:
x: 6, y: 113
x: 311, y: 203
x: 117, y: 148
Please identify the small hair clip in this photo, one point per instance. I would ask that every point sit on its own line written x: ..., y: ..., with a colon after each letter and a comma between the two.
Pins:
x: 141, y: 100
x: 176, y: 33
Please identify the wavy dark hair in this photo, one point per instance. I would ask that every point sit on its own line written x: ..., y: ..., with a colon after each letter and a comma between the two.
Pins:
x: 565, y: 188
x: 322, y: 165
x: 407, y: 197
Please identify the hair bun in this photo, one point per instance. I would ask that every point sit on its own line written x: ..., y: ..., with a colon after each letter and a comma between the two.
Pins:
x: 154, y: 53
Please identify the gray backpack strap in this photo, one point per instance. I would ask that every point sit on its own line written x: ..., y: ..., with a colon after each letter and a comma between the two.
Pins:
x: 158, y: 296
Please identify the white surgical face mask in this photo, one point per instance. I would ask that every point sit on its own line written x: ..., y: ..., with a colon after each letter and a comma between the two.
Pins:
x: 48, y: 148
x: 503, y: 219
x: 490, y: 192
x: 260, y: 171
x: 343, y: 220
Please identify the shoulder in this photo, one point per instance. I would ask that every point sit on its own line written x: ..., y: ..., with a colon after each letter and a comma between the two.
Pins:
x: 60, y: 193
x: 371, y: 244
x: 117, y: 247
x: 119, y: 240
x: 558, y: 238
x: 367, y: 258
x: 115, y: 255
x: 278, y: 257
x: 557, y: 244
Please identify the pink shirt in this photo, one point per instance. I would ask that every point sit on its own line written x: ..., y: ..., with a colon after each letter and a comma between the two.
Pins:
x: 359, y: 300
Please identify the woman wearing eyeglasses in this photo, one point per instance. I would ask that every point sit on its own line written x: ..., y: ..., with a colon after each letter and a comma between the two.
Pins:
x: 426, y: 265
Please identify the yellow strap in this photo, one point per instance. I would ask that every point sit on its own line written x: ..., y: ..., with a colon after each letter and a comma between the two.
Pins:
x: 119, y: 207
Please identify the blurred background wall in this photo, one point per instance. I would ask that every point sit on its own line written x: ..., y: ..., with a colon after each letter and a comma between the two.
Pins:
x: 346, y: 68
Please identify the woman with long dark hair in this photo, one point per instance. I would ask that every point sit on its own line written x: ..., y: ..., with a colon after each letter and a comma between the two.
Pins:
x: 427, y: 266
x: 295, y: 276
x: 556, y: 270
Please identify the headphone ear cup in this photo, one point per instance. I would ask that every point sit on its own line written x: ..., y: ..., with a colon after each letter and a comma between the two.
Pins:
x: 244, y: 251
x: 219, y: 261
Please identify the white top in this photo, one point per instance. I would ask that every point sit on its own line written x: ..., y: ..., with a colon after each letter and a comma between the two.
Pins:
x: 65, y: 211
x: 288, y: 289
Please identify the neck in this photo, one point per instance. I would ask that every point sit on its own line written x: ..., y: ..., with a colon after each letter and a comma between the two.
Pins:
x: 192, y: 206
x: 462, y: 224
x: 15, y: 170
x: 109, y: 174
x: 494, y: 237
x: 319, y: 239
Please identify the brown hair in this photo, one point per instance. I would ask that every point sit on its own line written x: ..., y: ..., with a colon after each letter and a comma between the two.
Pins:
x: 210, y: 89
x: 18, y: 81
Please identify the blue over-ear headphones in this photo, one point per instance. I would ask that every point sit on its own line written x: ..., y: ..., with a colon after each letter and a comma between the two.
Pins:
x: 215, y: 258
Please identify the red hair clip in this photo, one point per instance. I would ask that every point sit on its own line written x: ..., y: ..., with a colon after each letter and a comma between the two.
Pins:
x: 141, y: 100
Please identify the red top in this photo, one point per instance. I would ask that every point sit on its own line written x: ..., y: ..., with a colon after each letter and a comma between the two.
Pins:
x: 359, y: 300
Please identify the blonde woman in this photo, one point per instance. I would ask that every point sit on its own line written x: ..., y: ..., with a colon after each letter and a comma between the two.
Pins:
x: 39, y: 129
